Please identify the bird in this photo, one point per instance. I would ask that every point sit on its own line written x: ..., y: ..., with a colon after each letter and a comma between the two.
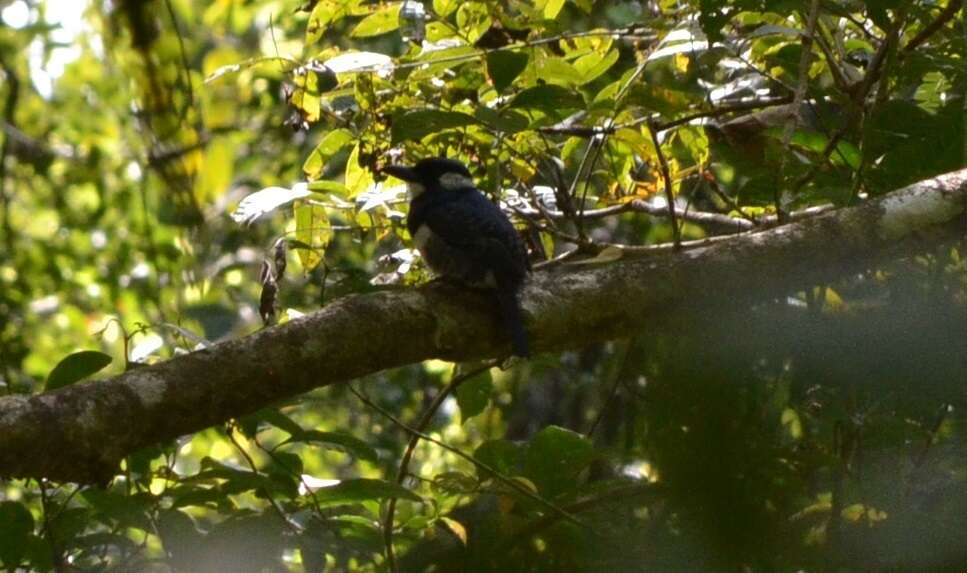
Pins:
x: 464, y: 236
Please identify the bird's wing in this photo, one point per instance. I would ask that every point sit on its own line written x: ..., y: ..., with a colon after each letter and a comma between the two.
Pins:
x: 470, y: 222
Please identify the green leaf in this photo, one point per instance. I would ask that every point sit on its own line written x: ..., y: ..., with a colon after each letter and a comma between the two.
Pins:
x: 554, y: 458
x: 334, y: 142
x: 444, y: 8
x: 279, y: 420
x: 552, y: 8
x: 127, y: 511
x: 549, y: 98
x: 555, y: 71
x: 236, y: 480
x: 384, y: 20
x: 76, y: 367
x: 502, y: 455
x: 336, y: 441
x: 415, y: 125
x: 358, y: 178
x: 312, y: 228
x: 16, y: 525
x: 508, y: 121
x: 362, y: 489
x: 593, y: 65
x: 457, y: 483
x: 326, y: 186
x: 504, y: 66
x: 474, y: 395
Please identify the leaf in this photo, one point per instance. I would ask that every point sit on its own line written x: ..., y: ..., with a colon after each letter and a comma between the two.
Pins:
x: 593, y: 65
x: 358, y: 178
x: 330, y: 145
x: 16, y: 525
x: 351, y: 62
x: 384, y: 20
x: 549, y: 98
x: 76, y: 367
x: 456, y: 483
x: 415, y: 125
x: 504, y: 66
x: 126, y: 510
x: 236, y: 480
x: 552, y: 8
x: 554, y: 458
x: 312, y: 228
x: 555, y: 71
x: 250, y: 63
x: 508, y: 121
x: 325, y: 186
x: 456, y: 528
x: 474, y: 395
x: 362, y: 489
x: 502, y: 455
x: 443, y: 8
x: 263, y: 201
x: 336, y: 441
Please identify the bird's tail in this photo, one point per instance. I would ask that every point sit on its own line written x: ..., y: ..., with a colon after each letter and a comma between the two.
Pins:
x: 513, y: 319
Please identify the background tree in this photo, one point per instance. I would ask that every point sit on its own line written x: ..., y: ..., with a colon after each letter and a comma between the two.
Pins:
x: 174, y: 174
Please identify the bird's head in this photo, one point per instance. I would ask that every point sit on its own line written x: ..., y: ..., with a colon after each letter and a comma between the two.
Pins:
x: 432, y: 174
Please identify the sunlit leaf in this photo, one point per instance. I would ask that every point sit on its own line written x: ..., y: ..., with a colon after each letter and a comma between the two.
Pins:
x: 593, y: 65
x: 312, y: 228
x: 384, y: 20
x: 361, y: 489
x: 284, y: 64
x: 456, y: 528
x: 444, y: 8
x: 334, y: 142
x: 261, y: 202
x: 358, y: 178
x: 360, y: 62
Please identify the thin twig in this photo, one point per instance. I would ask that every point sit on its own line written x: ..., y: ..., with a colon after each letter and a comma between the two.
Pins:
x: 229, y: 431
x: 421, y: 425
x: 524, y: 45
x: 184, y: 54
x: 799, y: 95
x: 510, y: 483
x: 590, y: 502
x: 700, y: 217
x: 669, y: 191
x: 592, y: 131
x: 932, y: 28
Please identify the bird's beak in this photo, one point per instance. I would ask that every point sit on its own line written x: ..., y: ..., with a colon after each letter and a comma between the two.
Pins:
x: 401, y: 172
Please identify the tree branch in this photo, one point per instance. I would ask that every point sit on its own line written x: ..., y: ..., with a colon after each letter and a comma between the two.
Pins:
x: 81, y: 432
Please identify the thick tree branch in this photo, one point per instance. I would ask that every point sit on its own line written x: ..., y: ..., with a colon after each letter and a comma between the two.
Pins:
x: 81, y: 432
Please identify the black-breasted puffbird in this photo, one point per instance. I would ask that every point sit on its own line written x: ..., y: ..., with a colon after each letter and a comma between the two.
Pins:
x: 462, y: 235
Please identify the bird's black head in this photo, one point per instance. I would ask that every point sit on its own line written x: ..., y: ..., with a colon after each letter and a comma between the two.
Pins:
x: 432, y: 174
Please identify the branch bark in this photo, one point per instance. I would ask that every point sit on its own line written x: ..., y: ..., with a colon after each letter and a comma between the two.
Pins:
x: 80, y: 433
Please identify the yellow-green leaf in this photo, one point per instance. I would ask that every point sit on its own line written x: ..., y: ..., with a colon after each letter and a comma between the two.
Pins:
x: 358, y: 178
x: 331, y: 144
x: 379, y: 22
x: 313, y: 231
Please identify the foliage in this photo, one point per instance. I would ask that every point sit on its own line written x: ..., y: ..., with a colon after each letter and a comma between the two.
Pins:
x: 186, y: 144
